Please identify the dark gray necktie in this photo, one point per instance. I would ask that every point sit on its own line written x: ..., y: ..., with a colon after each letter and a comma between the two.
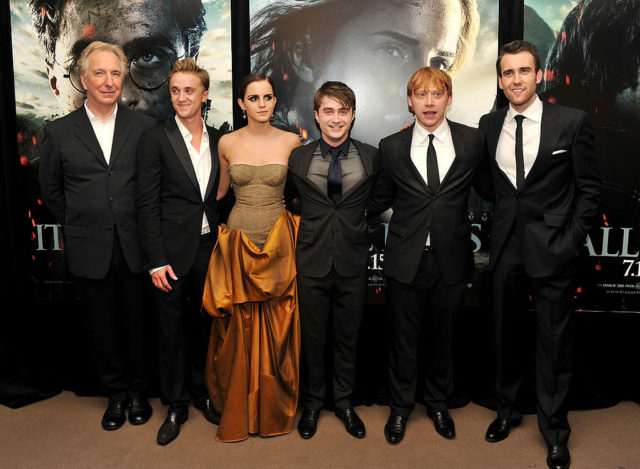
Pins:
x: 334, y: 178
x: 519, y: 153
x: 433, y: 175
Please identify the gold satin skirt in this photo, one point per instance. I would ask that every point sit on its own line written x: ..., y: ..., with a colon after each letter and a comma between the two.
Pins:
x: 252, y: 368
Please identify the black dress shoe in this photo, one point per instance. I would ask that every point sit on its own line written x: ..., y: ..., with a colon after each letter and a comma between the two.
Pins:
x: 499, y: 429
x: 114, y: 416
x: 206, y: 407
x: 308, y: 423
x: 352, y: 422
x: 139, y: 410
x: 558, y: 457
x: 170, y: 429
x: 394, y: 428
x: 443, y: 423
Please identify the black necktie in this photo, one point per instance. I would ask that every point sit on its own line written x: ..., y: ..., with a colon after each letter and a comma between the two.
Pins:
x: 519, y: 153
x: 433, y: 175
x: 334, y: 178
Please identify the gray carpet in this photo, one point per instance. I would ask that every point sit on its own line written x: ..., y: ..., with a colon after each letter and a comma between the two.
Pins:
x: 64, y: 432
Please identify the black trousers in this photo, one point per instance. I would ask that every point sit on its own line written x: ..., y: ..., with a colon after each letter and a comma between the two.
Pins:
x: 114, y: 318
x: 183, y: 332
x: 427, y: 308
x: 337, y: 302
x: 551, y: 298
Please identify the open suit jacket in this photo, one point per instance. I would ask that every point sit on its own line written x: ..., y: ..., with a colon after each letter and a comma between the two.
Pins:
x: 170, y: 205
x: 89, y: 196
x: 331, y: 233
x: 417, y: 211
x: 555, y: 207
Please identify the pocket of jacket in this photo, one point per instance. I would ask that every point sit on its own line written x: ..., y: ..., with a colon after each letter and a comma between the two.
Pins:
x: 555, y: 219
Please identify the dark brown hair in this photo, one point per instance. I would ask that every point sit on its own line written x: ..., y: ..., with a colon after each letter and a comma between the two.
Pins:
x: 338, y: 91
x: 515, y: 47
x: 252, y: 77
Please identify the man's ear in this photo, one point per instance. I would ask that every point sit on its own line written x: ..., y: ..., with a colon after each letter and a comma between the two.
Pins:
x: 53, y: 81
x: 299, y: 57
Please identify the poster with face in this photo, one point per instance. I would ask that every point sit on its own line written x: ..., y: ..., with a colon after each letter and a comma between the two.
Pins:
x: 48, y: 37
x: 591, y: 55
x: 374, y: 47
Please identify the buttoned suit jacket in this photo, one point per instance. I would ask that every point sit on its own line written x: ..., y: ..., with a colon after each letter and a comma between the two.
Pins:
x: 88, y: 196
x: 169, y: 200
x: 331, y: 234
x: 418, y: 212
x: 555, y: 208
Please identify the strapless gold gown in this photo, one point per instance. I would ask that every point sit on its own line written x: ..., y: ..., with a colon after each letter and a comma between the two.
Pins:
x: 250, y: 291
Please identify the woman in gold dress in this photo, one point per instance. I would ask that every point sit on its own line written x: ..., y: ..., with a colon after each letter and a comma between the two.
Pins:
x: 250, y: 291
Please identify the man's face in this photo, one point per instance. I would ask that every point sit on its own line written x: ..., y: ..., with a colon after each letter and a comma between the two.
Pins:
x: 150, y: 38
x: 429, y: 106
x: 519, y: 79
x: 187, y: 95
x: 103, y: 80
x: 334, y: 120
x: 375, y: 52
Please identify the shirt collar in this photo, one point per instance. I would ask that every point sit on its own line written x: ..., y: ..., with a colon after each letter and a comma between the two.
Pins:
x: 185, y: 132
x: 533, y: 112
x: 344, y: 147
x: 421, y: 134
x: 93, y: 117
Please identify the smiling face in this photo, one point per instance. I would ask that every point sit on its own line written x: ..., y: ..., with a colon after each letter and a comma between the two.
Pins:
x: 376, y: 50
x: 258, y: 101
x: 149, y: 36
x: 334, y: 120
x: 519, y: 79
x: 429, y: 106
x: 187, y: 95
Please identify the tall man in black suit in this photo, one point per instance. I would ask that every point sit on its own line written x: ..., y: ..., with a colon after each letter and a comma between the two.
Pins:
x: 87, y: 176
x: 547, y: 192
x: 178, y: 222
x: 428, y: 171
x: 333, y: 177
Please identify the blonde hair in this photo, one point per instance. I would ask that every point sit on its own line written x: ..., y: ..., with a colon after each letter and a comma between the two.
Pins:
x: 98, y: 45
x: 189, y: 65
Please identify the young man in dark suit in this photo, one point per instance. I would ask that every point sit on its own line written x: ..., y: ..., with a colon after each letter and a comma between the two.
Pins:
x: 547, y: 193
x: 87, y: 176
x: 428, y: 171
x: 332, y: 177
x: 178, y: 222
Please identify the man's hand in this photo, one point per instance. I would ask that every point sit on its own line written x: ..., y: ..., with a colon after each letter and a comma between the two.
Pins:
x: 159, y: 278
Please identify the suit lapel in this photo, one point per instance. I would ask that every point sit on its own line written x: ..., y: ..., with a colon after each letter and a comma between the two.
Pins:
x: 550, y: 129
x: 84, y: 132
x: 301, y: 168
x: 180, y: 149
x: 367, y: 164
x: 493, y: 135
x: 120, y: 133
x: 459, y: 147
x: 404, y: 153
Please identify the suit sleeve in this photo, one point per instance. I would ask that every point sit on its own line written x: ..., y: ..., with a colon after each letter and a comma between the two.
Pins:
x: 383, y: 190
x: 483, y: 180
x: 51, y: 176
x: 149, y: 171
x: 587, y: 180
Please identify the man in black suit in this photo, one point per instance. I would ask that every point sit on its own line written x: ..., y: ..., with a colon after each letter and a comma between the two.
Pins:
x: 428, y: 171
x: 333, y: 177
x: 87, y: 176
x: 178, y: 223
x: 547, y: 192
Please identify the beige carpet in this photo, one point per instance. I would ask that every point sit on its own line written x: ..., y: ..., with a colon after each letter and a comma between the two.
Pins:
x: 64, y: 432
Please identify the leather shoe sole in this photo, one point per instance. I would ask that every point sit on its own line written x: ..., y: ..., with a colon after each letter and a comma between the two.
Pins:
x: 170, y: 429
x: 394, y: 429
x: 139, y: 411
x: 499, y: 429
x: 308, y: 423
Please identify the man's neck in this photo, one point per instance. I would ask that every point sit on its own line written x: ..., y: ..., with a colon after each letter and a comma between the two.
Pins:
x: 192, y: 124
x: 101, y: 111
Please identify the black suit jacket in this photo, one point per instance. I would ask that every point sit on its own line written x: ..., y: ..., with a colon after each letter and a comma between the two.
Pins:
x: 417, y: 211
x: 330, y: 233
x: 88, y: 196
x: 170, y: 205
x: 555, y: 207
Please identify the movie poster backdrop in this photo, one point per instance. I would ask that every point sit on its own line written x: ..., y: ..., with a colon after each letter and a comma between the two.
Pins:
x: 48, y: 35
x: 590, y: 51
x: 373, y: 47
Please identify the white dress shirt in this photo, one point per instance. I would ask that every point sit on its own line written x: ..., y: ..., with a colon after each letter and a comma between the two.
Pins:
x: 506, y: 150
x: 445, y: 153
x: 103, y: 130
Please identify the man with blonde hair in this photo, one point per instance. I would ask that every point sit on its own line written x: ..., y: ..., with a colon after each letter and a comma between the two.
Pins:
x: 87, y: 176
x: 428, y: 171
x: 178, y: 225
